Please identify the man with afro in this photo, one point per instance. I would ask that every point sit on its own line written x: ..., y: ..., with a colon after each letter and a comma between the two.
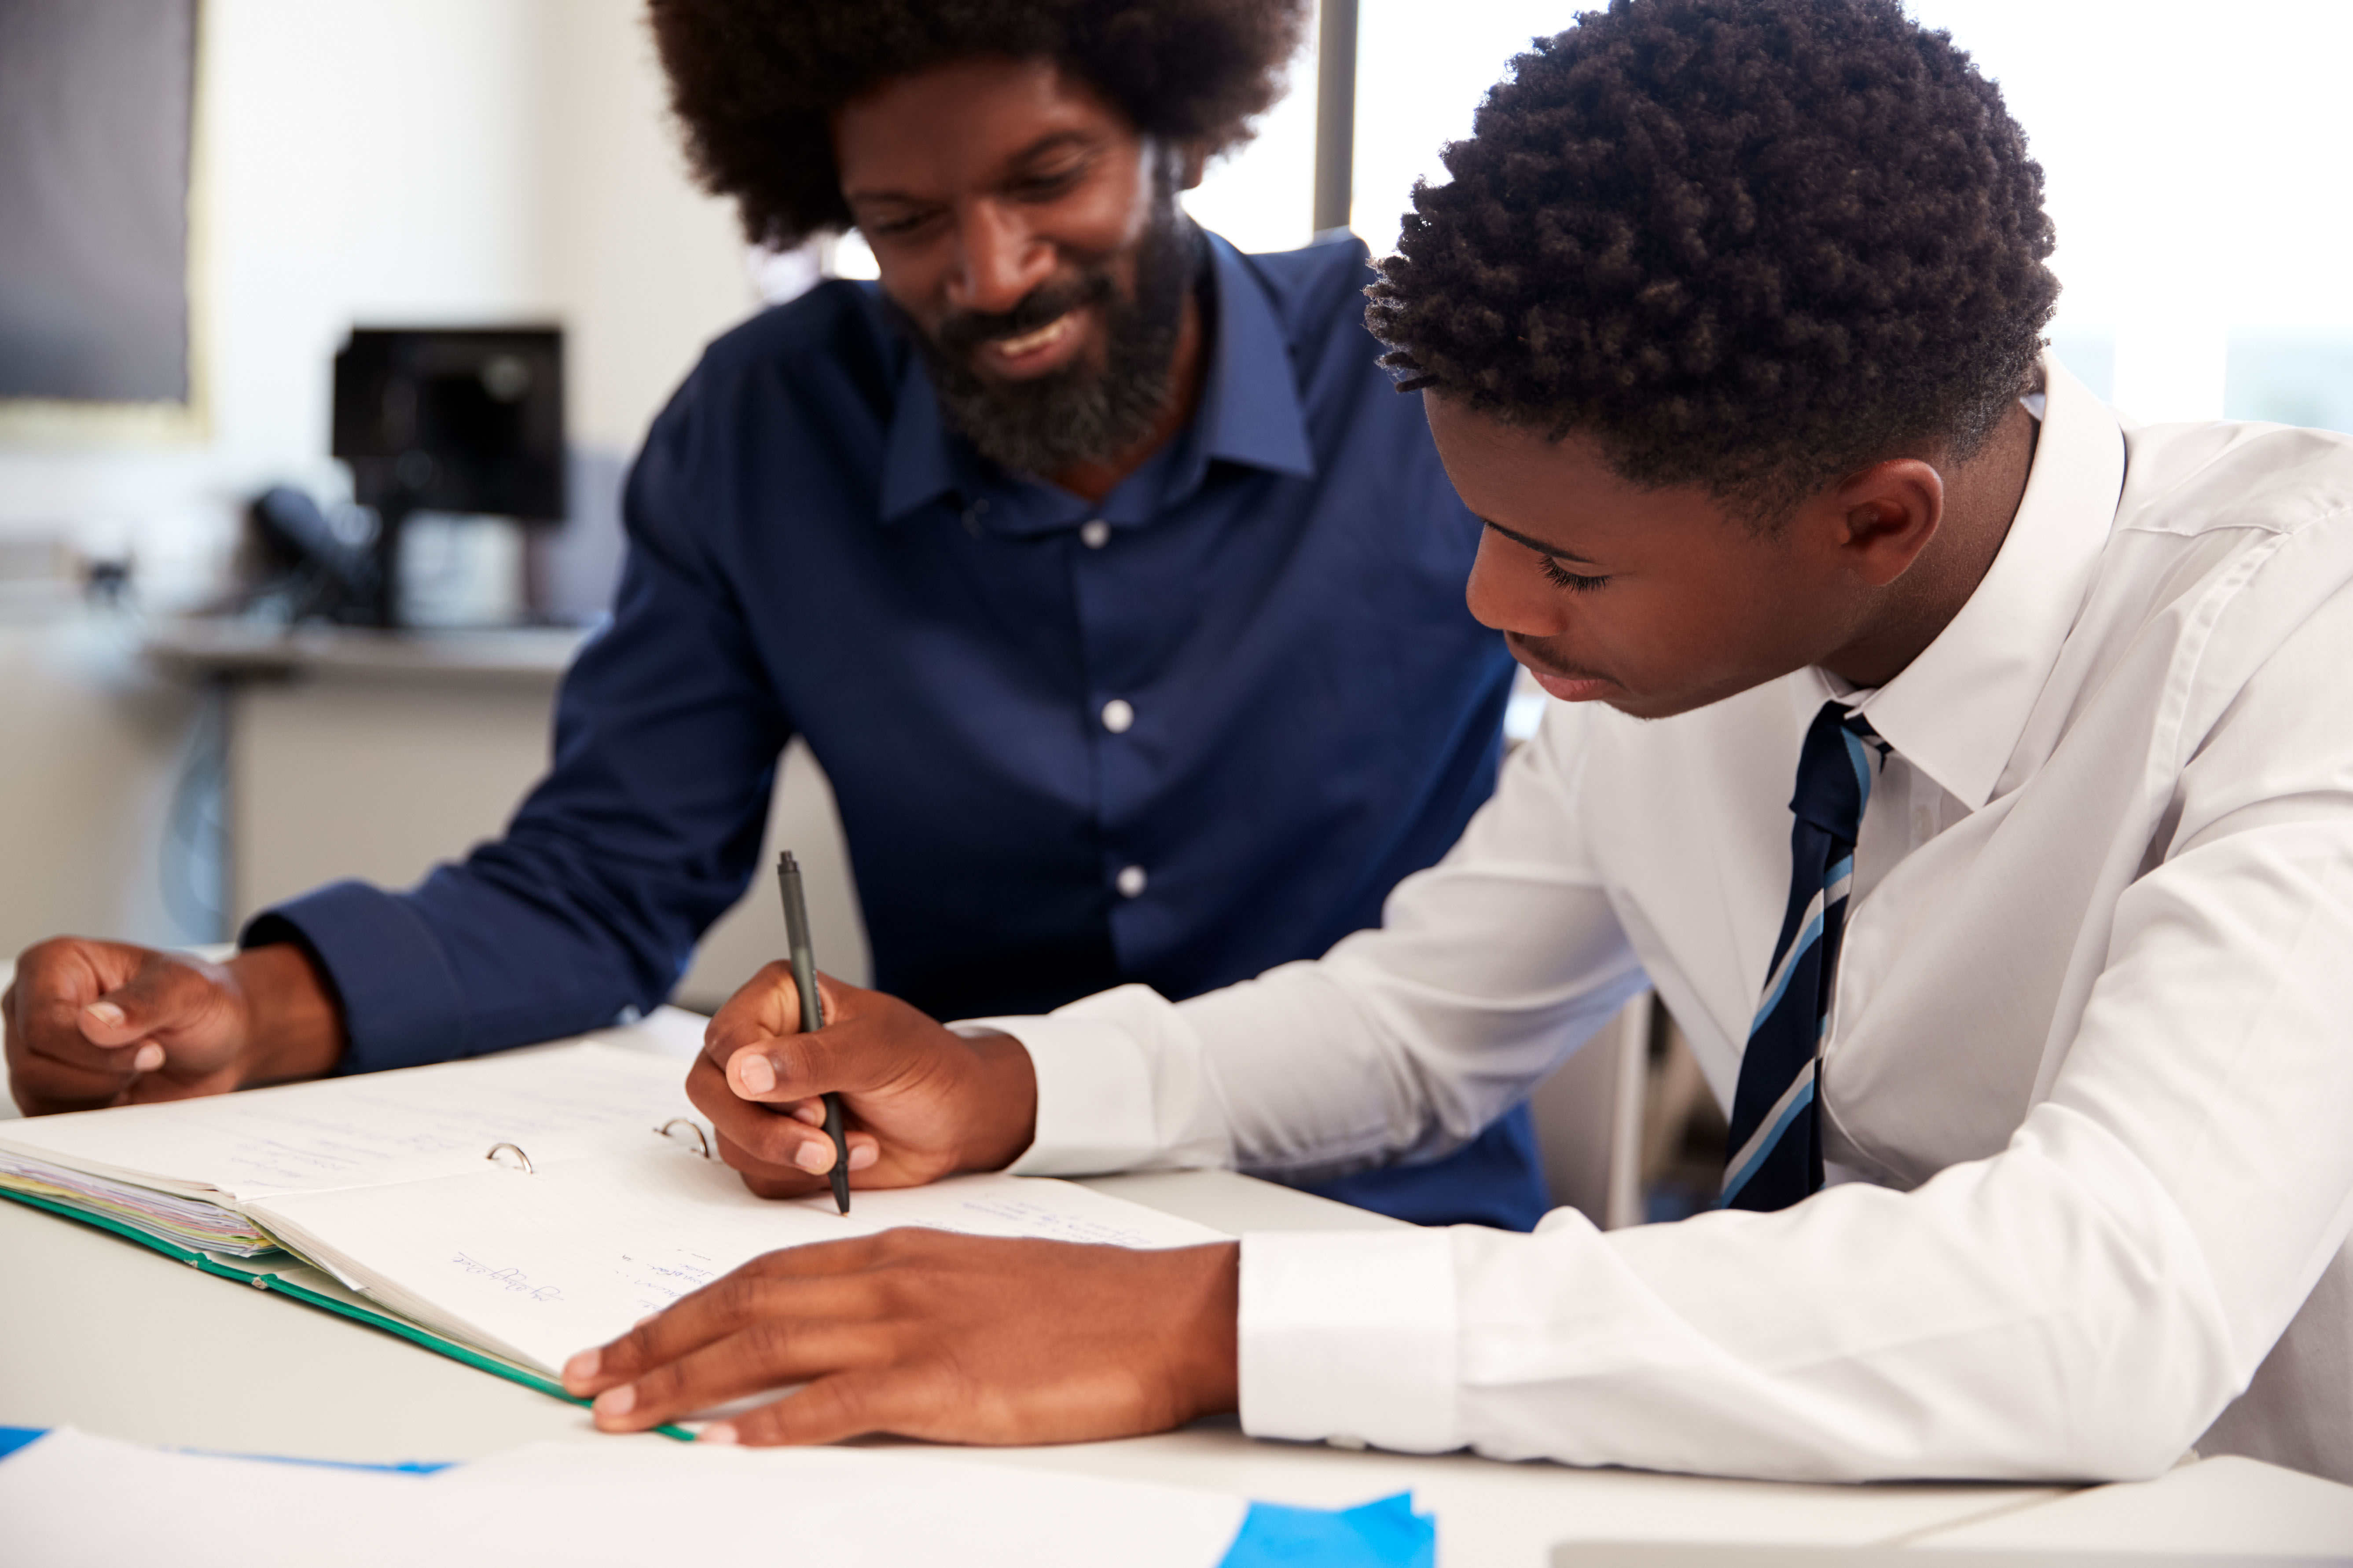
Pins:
x: 1967, y: 766
x: 1098, y: 563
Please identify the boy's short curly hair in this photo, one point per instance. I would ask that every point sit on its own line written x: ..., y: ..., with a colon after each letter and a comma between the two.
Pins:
x: 755, y: 82
x: 1748, y: 243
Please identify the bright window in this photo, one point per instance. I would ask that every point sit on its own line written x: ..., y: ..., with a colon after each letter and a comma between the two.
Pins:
x: 2194, y: 154
x: 1263, y: 196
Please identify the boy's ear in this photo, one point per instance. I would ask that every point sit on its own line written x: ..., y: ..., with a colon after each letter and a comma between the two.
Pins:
x: 1887, y: 514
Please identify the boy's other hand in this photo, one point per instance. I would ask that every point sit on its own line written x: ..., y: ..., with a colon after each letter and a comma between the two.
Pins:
x: 949, y: 1339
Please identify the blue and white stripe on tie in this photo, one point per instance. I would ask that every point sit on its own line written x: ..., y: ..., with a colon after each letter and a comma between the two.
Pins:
x: 1775, y: 1138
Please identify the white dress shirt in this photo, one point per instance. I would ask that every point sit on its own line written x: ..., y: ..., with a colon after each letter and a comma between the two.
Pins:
x: 2089, y: 1063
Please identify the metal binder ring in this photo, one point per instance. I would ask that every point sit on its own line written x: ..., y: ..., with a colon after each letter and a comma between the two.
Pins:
x: 702, y: 1137
x: 519, y: 1154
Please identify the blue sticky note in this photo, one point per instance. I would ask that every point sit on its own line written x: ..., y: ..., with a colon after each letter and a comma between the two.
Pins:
x: 1383, y: 1534
x: 15, y: 1437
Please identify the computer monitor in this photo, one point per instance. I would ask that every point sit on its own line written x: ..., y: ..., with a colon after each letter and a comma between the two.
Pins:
x: 465, y: 420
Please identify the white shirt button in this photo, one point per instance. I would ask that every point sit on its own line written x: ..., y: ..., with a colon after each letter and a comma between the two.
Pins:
x: 1130, y: 881
x: 1095, y: 535
x: 1117, y: 716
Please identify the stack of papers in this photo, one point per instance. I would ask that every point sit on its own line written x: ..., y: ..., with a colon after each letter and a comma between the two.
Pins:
x: 188, y: 1222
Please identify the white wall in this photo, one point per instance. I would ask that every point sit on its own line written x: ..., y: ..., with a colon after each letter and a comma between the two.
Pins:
x: 355, y: 161
x: 644, y: 268
x: 376, y: 162
x: 90, y: 747
x: 406, y: 162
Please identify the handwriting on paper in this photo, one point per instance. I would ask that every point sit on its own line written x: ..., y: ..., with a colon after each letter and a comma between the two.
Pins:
x: 508, y: 1278
x: 656, y: 1283
x: 415, y: 1124
x: 1019, y: 1216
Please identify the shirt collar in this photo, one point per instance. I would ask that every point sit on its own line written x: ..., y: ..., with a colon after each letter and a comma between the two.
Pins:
x: 1956, y: 711
x: 1250, y: 411
x: 920, y: 459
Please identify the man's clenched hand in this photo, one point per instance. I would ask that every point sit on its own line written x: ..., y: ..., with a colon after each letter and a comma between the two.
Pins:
x: 92, y: 1024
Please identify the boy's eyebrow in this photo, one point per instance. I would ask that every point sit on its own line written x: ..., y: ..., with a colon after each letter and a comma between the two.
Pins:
x: 1538, y: 545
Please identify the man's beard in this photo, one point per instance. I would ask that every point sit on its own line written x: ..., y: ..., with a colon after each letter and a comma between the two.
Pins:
x: 1082, y: 413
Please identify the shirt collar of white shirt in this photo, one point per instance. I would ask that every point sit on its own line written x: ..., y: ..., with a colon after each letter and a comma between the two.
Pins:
x: 1956, y: 711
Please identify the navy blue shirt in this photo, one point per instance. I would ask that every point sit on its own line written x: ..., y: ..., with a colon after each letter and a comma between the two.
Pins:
x: 1275, y: 599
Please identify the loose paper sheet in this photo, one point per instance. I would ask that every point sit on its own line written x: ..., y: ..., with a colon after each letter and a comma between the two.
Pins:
x: 73, y: 1501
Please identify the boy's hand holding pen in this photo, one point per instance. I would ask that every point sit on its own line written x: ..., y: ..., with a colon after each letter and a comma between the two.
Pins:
x: 813, y: 1083
x: 910, y: 1101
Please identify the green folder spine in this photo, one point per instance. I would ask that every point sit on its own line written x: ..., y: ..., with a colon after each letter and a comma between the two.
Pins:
x: 266, y: 1280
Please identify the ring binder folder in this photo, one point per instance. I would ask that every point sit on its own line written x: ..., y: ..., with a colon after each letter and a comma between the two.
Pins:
x: 702, y: 1138
x: 374, y: 1183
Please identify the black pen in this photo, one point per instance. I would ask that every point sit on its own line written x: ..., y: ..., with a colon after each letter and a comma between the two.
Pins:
x: 797, y: 937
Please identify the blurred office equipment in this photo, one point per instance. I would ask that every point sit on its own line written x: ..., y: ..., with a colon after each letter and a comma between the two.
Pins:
x: 96, y: 105
x: 306, y: 570
x: 451, y: 420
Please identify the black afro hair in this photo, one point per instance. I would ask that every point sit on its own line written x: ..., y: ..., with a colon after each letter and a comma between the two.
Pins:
x: 755, y: 82
x: 1748, y: 243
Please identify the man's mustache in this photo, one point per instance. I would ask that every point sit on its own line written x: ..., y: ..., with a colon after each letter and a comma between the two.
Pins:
x: 969, y: 330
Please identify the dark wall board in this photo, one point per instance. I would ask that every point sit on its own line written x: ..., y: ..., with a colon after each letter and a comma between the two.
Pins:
x: 96, y: 113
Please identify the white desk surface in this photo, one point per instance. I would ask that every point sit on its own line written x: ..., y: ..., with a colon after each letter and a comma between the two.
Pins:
x: 98, y: 1332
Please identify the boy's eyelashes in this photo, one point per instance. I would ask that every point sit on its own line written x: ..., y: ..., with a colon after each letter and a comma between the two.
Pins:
x: 1562, y: 577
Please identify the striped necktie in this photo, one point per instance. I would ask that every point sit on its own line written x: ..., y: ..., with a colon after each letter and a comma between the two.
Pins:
x: 1775, y: 1136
